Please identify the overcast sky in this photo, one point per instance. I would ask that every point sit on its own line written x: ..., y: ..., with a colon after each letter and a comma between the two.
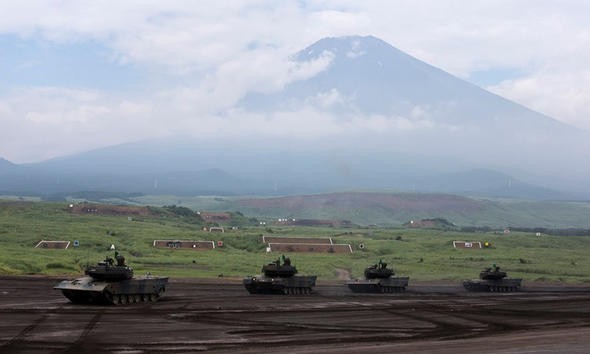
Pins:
x: 76, y: 75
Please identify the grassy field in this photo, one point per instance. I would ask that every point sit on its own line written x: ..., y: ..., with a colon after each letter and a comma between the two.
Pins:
x: 420, y: 254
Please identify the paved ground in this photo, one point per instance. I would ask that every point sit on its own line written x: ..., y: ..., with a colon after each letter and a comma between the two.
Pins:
x: 221, y: 317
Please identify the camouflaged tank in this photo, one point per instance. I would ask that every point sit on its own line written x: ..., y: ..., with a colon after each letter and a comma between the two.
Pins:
x: 279, y: 278
x: 379, y: 279
x: 110, y: 283
x: 492, y: 279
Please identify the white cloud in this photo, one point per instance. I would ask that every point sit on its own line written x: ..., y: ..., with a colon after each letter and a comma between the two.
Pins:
x: 233, y: 47
x: 562, y: 95
x: 329, y: 99
x: 41, y: 123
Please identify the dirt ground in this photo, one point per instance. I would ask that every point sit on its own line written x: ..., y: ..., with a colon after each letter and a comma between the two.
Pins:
x: 219, y: 316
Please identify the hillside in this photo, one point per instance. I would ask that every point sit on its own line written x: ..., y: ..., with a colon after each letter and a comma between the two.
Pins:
x: 420, y: 254
x: 395, y: 209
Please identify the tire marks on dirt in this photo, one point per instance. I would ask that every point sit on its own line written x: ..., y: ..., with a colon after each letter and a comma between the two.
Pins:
x: 16, y: 341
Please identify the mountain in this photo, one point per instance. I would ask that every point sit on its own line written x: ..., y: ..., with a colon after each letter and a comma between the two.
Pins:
x: 369, y: 118
x: 435, y: 112
x: 6, y: 165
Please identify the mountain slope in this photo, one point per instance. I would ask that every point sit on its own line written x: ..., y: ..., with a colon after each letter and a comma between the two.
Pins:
x: 434, y: 112
x: 6, y: 165
x: 374, y: 118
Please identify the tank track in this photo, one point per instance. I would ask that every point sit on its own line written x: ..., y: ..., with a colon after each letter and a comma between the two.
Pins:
x: 124, y: 299
x: 375, y: 288
x: 297, y: 290
x: 504, y: 286
x: 85, y: 297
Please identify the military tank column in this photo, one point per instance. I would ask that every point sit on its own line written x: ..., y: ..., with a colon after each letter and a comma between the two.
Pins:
x: 493, y: 279
x: 379, y: 279
x: 279, y: 278
x: 110, y: 283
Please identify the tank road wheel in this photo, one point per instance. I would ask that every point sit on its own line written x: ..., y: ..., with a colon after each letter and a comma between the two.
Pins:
x: 116, y: 299
x: 124, y: 299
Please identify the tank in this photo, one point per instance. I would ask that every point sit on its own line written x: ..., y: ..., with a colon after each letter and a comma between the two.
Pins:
x: 492, y: 279
x: 379, y: 279
x: 110, y: 283
x: 279, y: 278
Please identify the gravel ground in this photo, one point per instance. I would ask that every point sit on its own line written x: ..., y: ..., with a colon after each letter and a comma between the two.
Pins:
x: 219, y: 316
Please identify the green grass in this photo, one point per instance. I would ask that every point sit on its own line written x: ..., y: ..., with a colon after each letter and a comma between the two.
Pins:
x: 420, y: 254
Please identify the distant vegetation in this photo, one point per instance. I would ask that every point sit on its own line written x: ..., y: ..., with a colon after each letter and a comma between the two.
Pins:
x: 535, y: 230
x: 422, y: 254
x: 396, y: 209
x: 91, y: 196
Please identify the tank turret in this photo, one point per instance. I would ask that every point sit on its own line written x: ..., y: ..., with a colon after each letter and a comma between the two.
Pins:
x: 378, y: 271
x: 279, y: 278
x: 109, y: 271
x: 379, y: 279
x: 276, y: 269
x: 493, y: 279
x: 492, y: 273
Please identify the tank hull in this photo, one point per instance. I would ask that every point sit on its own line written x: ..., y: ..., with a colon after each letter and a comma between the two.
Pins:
x: 488, y: 285
x: 88, y: 290
x: 283, y: 286
x: 387, y: 285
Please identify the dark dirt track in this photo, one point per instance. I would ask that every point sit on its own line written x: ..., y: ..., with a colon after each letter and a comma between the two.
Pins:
x: 221, y: 317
